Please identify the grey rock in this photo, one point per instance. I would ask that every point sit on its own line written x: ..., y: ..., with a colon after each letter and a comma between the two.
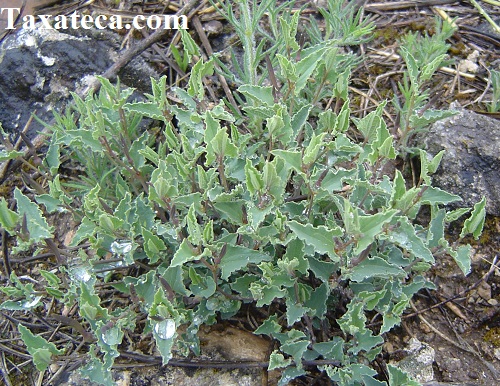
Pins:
x: 418, y: 363
x: 40, y: 67
x: 470, y: 167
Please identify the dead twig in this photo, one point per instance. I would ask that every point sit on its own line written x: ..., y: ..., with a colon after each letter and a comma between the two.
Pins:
x: 139, y: 47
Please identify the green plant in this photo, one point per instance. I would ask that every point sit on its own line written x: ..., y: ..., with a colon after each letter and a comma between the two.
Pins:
x: 494, y: 105
x: 423, y: 55
x: 281, y: 209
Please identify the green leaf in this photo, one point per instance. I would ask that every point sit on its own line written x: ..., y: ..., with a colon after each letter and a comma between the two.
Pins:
x: 436, y: 229
x: 37, y: 226
x: 237, y: 257
x: 433, y: 165
x: 387, y: 149
x: 300, y: 119
x: 463, y: 258
x: 53, y: 157
x: 147, y: 109
x: 253, y: 178
x: 201, y: 286
x: 293, y: 159
x: 40, y: 349
x: 312, y: 149
x: 406, y: 237
x: 194, y: 229
x: 428, y: 117
x: 51, y: 278
x: 96, y: 371
x: 474, y: 224
x: 153, y: 246
x: 184, y: 254
x: 296, y: 350
x: 222, y: 145
x: 370, y: 226
x: 306, y: 66
x: 375, y: 267
x: 231, y: 210
x: 412, y: 66
x: 201, y: 69
x: 278, y: 361
x: 434, y: 195
x: 8, y: 218
x: 317, y: 301
x: 6, y: 155
x: 294, y: 312
x: 258, y: 94
x: 399, y: 378
x: 321, y: 237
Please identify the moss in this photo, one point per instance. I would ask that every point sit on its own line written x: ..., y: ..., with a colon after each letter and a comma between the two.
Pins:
x: 493, y: 336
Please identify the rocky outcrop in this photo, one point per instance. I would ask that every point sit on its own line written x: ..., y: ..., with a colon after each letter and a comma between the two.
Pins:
x: 40, y: 67
x: 470, y: 167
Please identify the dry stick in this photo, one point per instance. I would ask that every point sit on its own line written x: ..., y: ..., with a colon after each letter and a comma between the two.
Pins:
x: 381, y: 7
x: 461, y: 293
x: 5, y: 370
x: 209, y: 51
x: 154, y: 360
x: 136, y: 49
x: 468, y: 349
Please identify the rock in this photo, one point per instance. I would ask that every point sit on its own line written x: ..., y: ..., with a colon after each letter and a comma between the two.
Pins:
x: 418, y: 363
x: 471, y: 163
x: 40, y: 67
x: 226, y: 344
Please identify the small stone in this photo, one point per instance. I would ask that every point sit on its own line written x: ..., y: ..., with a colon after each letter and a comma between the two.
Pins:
x: 484, y: 290
x: 213, y: 27
x: 496, y: 352
x: 418, y: 363
x: 493, y: 302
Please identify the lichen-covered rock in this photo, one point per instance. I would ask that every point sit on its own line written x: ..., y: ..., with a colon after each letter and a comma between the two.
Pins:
x: 40, y: 67
x: 418, y: 363
x: 470, y: 167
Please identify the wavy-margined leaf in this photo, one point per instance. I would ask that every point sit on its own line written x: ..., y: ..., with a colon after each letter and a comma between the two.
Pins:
x: 254, y: 180
x: 237, y: 257
x: 398, y: 377
x: 292, y: 158
x: 433, y: 195
x: 278, y: 361
x: 6, y: 155
x: 231, y: 210
x: 429, y: 116
x: 201, y: 69
x: 153, y: 246
x: 462, y: 257
x: 371, y: 226
x: 185, y: 253
x: 147, y: 109
x: 406, y: 237
x: 436, y: 229
x: 40, y: 349
x: 307, y: 65
x: 375, y: 267
x: 474, y: 224
x: 259, y: 94
x: 321, y: 237
x: 37, y: 225
x: 8, y: 218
